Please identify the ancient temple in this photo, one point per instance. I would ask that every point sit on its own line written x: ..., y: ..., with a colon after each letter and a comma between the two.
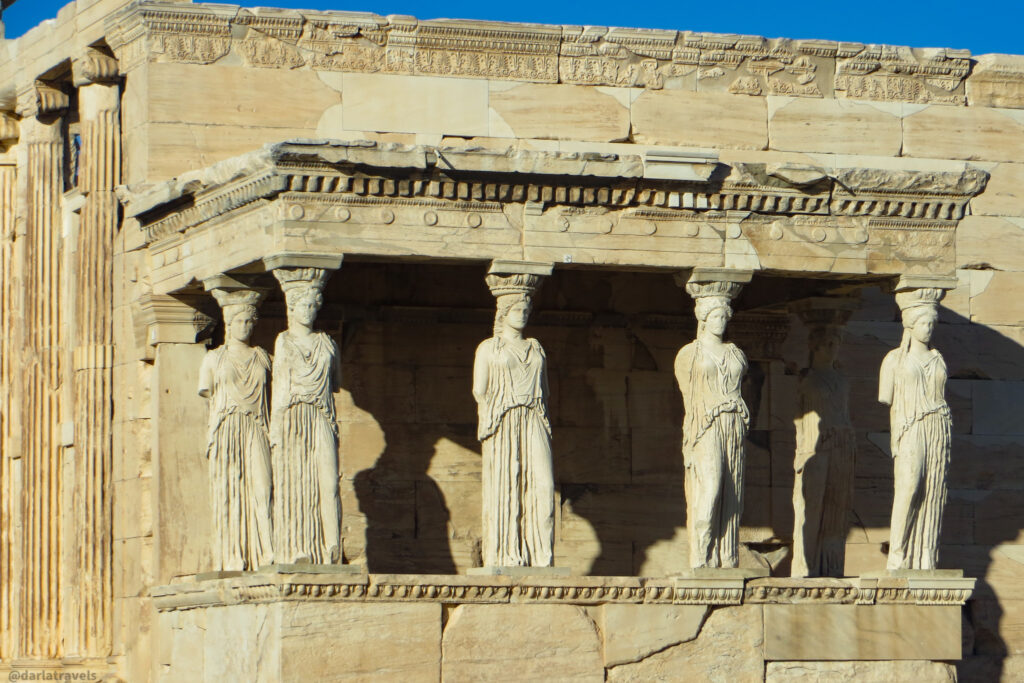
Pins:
x: 263, y: 271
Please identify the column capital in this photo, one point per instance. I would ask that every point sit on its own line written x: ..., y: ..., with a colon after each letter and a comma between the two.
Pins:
x: 9, y: 128
x: 165, y: 319
x: 39, y: 98
x: 94, y: 66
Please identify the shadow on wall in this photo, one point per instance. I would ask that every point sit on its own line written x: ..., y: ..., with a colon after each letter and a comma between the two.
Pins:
x: 410, y: 332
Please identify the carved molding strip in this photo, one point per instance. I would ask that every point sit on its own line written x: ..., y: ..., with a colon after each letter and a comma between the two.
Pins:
x: 268, y: 586
x: 591, y: 55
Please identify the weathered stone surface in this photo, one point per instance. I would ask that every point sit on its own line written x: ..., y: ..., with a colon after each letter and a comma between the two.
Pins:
x: 852, y: 632
x: 528, y: 642
x: 633, y: 632
x: 836, y: 672
x: 260, y: 98
x: 360, y: 641
x: 994, y: 299
x: 1003, y: 196
x: 834, y: 126
x: 411, y: 104
x: 997, y: 408
x: 997, y: 81
x: 998, y: 626
x: 976, y: 235
x: 727, y: 650
x: 962, y: 133
x: 672, y: 117
x: 535, y: 110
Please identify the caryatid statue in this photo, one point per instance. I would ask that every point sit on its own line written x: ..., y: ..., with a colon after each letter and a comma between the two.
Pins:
x: 303, y: 428
x: 510, y: 385
x: 715, y: 421
x: 913, y: 383
x: 826, y: 446
x: 236, y: 378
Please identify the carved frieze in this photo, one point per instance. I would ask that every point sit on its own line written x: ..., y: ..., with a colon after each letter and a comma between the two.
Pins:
x: 585, y: 55
x: 902, y: 74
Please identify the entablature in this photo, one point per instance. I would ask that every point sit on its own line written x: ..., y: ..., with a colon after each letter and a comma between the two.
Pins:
x: 416, y: 201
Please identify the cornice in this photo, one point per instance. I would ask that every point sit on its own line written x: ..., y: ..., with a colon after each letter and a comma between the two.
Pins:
x: 348, y: 177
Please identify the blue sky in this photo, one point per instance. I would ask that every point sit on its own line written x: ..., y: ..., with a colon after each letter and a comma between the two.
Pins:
x: 981, y: 26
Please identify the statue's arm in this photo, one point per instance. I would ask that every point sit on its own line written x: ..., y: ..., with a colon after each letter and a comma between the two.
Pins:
x: 682, y: 371
x: 481, y: 365
x: 885, y: 378
x: 206, y: 375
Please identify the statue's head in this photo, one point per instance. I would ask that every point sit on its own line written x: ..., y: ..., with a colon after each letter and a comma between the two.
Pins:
x: 513, y: 295
x: 513, y: 311
x: 302, y: 293
x: 919, y: 322
x: 304, y: 303
x: 239, y: 310
x: 712, y: 313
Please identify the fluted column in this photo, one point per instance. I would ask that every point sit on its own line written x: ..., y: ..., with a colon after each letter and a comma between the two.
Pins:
x: 42, y: 402
x: 88, y: 622
x: 10, y: 408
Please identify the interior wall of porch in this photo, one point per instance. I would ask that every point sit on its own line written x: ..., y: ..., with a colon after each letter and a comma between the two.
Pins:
x: 410, y: 460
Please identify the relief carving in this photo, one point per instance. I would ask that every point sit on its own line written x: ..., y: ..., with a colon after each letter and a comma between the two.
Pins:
x: 236, y: 377
x: 709, y: 372
x: 303, y: 428
x: 510, y: 385
x: 913, y: 383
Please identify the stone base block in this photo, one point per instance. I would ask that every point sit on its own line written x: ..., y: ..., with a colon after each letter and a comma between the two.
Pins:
x: 300, y: 641
x: 832, y: 632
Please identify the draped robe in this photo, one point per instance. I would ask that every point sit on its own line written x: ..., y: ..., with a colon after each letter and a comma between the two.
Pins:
x: 515, y: 435
x: 307, y: 507
x: 715, y: 425
x: 921, y: 428
x: 238, y: 451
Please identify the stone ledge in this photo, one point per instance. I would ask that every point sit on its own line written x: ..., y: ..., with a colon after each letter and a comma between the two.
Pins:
x: 269, y: 586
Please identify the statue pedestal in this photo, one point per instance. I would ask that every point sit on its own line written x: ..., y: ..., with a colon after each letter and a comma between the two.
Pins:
x: 518, y: 571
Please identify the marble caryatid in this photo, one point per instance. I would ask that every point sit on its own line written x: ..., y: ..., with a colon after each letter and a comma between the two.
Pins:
x: 715, y: 421
x: 303, y: 428
x: 511, y: 389
x: 826, y: 447
x: 913, y: 383
x: 236, y: 378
